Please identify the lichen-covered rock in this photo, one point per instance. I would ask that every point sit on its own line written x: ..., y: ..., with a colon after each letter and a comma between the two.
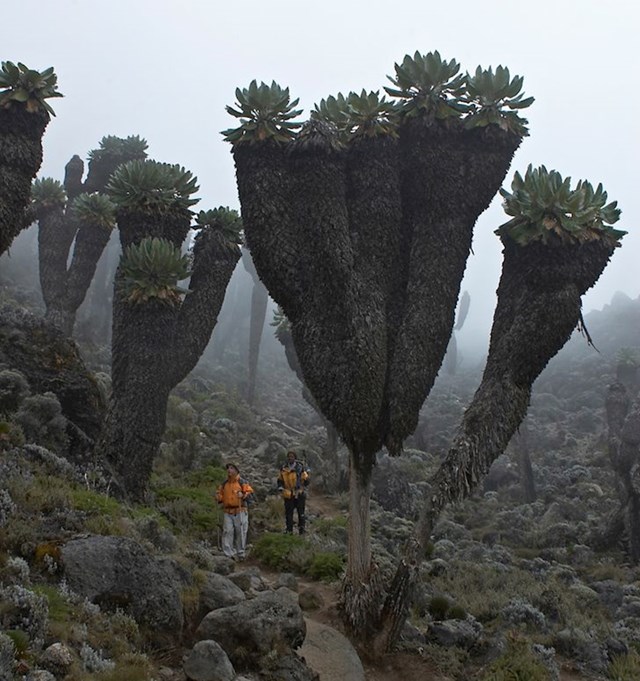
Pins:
x: 218, y: 591
x: 117, y: 572
x: 460, y: 633
x: 207, y: 661
x: 57, y: 659
x: 272, y: 621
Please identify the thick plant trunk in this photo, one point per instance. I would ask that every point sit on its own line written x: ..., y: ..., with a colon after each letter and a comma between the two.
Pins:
x: 155, y: 345
x: 55, y: 236
x: 623, y: 420
x: 449, y: 177
x: 361, y: 595
x: 539, y: 304
x: 20, y: 159
x: 57, y: 315
x: 134, y: 427
x: 259, y: 301
x: 527, y: 482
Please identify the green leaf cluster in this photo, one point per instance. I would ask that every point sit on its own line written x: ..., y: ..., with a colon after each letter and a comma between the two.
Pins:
x: 120, y: 149
x: 223, y: 219
x: 152, y: 186
x: 359, y: 115
x: 428, y: 85
x: 150, y: 271
x: 22, y: 85
x: 47, y: 194
x: 265, y: 112
x: 280, y: 322
x: 95, y: 209
x: 493, y: 99
x: 543, y: 206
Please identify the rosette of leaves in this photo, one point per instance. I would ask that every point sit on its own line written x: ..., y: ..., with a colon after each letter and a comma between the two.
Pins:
x: 266, y: 112
x: 429, y: 86
x: 151, y: 270
x: 120, y: 149
x: 47, y: 194
x: 280, y: 323
x: 333, y: 110
x: 95, y: 209
x: 370, y: 115
x: 494, y: 99
x: 147, y: 185
x: 544, y: 208
x: 225, y: 220
x: 21, y: 85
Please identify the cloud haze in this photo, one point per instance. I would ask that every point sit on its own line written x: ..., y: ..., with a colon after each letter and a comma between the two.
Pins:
x: 165, y: 69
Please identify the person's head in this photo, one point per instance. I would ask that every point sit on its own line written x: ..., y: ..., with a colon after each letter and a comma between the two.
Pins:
x: 291, y: 456
x: 232, y: 470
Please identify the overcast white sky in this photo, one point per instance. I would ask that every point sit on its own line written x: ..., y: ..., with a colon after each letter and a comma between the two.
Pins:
x: 164, y: 69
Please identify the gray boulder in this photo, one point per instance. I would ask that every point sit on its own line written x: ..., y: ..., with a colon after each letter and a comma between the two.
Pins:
x: 208, y: 662
x: 248, y: 631
x: 218, y: 591
x: 459, y: 633
x: 117, y: 572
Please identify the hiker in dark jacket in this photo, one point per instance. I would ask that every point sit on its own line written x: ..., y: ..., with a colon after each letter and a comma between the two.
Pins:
x: 292, y: 483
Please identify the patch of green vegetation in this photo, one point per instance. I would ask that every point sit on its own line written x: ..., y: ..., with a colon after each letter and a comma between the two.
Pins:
x: 518, y: 663
x: 20, y: 641
x: 209, y: 475
x: 191, y: 509
x: 41, y: 494
x: 625, y: 667
x: 60, y: 610
x: 438, y: 607
x: 276, y: 550
x: 326, y: 566
x: 93, y: 502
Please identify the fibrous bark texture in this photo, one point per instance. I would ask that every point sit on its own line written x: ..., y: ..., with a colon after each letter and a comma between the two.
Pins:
x: 65, y: 277
x: 156, y: 344
x: 539, y: 304
x: 364, y: 249
x: 20, y: 159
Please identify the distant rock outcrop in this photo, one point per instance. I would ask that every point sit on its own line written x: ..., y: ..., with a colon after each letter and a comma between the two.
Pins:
x: 51, y: 363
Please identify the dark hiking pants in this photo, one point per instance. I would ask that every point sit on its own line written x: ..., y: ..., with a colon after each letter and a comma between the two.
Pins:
x: 297, y: 504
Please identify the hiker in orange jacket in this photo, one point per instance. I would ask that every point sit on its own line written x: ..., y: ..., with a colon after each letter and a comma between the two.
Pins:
x: 233, y: 495
x: 293, y: 480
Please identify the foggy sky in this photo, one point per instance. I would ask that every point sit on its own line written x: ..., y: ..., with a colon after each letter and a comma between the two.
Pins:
x: 165, y: 69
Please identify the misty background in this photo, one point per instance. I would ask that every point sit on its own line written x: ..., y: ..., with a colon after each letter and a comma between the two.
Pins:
x: 165, y: 70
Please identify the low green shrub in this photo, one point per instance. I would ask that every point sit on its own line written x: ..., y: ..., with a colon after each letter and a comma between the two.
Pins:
x: 95, y: 503
x: 326, y: 566
x: 20, y: 641
x: 276, y: 550
x: 439, y: 607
